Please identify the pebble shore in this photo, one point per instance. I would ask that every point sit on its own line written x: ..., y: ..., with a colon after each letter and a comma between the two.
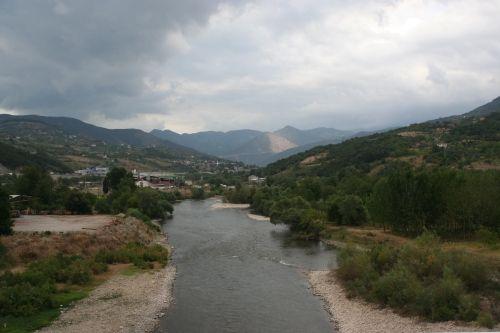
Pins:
x: 354, y: 315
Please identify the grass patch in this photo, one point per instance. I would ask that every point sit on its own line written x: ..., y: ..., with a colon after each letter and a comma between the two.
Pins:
x: 24, y: 324
x: 131, y: 271
x: 32, y: 299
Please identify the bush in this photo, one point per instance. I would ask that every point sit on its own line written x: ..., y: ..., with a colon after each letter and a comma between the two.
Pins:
x: 134, y: 253
x: 447, y: 297
x: 5, y: 220
x: 347, y: 210
x: 420, y: 278
x: 356, y: 270
x: 134, y: 212
x: 486, y: 320
x: 399, y: 288
x: 102, y: 206
x: 78, y: 203
x: 488, y: 237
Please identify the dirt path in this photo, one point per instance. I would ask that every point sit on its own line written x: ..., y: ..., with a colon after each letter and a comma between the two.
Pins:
x: 353, y: 316
x: 61, y: 223
x: 121, y: 304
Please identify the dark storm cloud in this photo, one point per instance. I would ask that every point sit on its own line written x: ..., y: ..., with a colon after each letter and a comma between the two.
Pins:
x: 219, y: 64
x: 81, y: 57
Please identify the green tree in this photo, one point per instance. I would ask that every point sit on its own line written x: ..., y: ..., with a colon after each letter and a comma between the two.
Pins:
x: 153, y: 203
x: 352, y: 211
x: 77, y: 202
x: 5, y: 220
x: 37, y: 184
x: 116, y: 178
x: 198, y: 193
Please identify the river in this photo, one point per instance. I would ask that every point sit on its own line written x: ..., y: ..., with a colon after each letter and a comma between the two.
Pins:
x: 235, y: 274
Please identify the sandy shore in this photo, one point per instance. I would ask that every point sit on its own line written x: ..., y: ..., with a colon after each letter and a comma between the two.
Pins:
x: 259, y: 217
x: 353, y: 315
x: 121, y: 304
x: 224, y: 205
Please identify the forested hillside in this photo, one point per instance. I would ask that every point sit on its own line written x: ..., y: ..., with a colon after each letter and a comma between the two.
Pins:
x: 442, y: 176
x: 62, y: 144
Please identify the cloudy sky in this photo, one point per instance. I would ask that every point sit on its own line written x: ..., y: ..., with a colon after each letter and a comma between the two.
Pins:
x: 196, y: 65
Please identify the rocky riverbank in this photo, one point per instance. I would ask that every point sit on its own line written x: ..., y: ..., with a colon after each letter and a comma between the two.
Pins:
x: 121, y: 304
x: 130, y: 300
x: 354, y: 315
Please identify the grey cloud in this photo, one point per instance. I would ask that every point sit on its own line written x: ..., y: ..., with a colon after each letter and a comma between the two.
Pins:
x: 201, y: 64
x: 82, y: 57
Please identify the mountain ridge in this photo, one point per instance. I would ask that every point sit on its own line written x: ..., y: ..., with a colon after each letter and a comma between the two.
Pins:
x: 252, y: 146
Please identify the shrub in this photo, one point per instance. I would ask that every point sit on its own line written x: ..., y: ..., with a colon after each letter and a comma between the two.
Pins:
x: 447, y: 297
x: 399, y: 288
x: 472, y: 271
x: 420, y: 278
x: 4, y: 258
x: 486, y: 320
x: 356, y: 270
x: 488, y: 237
x: 134, y: 212
x: 383, y: 257
x: 5, y: 220
x: 137, y: 254
x: 102, y: 206
x: 78, y: 203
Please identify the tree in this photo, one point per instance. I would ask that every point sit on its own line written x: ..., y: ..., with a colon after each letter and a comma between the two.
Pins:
x: 77, y: 202
x: 152, y: 202
x: 198, y: 193
x: 5, y: 220
x: 38, y: 184
x: 116, y: 178
x: 352, y: 211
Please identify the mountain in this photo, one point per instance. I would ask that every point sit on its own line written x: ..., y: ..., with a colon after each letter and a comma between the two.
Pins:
x: 13, y: 158
x: 470, y: 140
x: 255, y: 147
x: 210, y: 142
x: 486, y: 109
x: 72, y: 126
x: 74, y: 144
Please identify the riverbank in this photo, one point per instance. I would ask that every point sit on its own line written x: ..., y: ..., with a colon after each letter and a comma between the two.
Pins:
x: 354, y: 315
x: 131, y: 300
x: 119, y: 280
x: 124, y: 303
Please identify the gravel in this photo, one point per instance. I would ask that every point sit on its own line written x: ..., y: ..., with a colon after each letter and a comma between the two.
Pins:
x: 121, y: 304
x: 354, y: 315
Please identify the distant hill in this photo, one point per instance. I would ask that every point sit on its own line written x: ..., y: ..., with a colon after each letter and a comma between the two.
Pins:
x: 71, y: 126
x: 471, y: 140
x: 210, y: 142
x: 74, y: 144
x: 13, y: 158
x: 255, y: 147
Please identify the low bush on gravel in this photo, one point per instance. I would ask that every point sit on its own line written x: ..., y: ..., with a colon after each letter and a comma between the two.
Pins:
x: 43, y: 286
x: 140, y: 255
x: 420, y: 278
x: 134, y: 212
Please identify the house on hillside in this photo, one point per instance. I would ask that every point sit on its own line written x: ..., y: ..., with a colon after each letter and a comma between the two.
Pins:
x: 255, y: 180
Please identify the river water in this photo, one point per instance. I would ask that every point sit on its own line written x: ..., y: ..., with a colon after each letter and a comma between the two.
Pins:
x: 235, y: 274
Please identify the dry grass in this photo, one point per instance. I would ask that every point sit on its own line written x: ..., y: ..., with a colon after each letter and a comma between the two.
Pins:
x: 367, y: 236
x: 26, y: 247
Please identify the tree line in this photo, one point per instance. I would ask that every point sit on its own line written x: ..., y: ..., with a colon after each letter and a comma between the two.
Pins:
x: 451, y: 203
